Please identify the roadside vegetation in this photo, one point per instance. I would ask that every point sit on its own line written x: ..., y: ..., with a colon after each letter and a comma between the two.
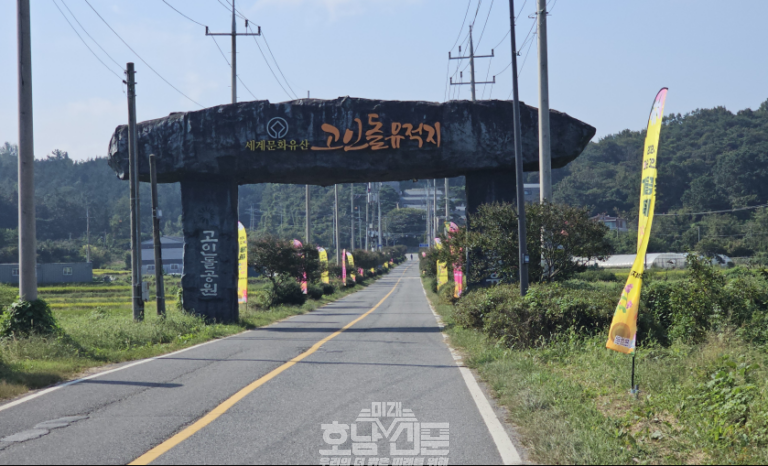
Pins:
x: 78, y: 327
x: 702, y: 364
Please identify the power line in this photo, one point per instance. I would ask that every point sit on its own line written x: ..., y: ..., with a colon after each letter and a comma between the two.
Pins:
x: 94, y: 40
x: 712, y: 211
x: 139, y: 57
x: 182, y: 14
x: 270, y: 67
x: 230, y: 65
x: 486, y: 24
x: 523, y: 65
x: 469, y: 3
x: 479, y: 3
x: 277, y: 65
x: 84, y: 43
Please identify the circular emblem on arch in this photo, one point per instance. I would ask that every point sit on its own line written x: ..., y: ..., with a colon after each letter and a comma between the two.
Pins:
x: 277, y: 128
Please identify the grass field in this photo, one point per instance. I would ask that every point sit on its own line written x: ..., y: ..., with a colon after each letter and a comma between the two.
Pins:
x: 97, y: 328
x: 705, y: 403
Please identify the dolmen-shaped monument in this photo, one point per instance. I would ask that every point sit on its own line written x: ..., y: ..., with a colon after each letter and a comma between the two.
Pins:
x: 324, y: 142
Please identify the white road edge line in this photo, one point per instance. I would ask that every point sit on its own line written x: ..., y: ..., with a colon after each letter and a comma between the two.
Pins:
x: 507, y: 450
x: 127, y: 366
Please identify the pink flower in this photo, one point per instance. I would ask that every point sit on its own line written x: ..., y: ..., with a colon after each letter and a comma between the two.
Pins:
x: 628, y: 288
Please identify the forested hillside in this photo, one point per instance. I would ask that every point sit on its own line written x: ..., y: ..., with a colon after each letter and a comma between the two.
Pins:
x: 709, y: 160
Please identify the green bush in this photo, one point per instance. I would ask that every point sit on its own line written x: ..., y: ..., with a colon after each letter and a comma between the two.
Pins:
x: 24, y: 318
x: 545, y: 312
x: 314, y: 292
x: 328, y: 289
x: 288, y: 291
x: 7, y: 296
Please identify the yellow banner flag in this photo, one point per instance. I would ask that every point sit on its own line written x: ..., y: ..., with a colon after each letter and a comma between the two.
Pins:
x: 324, y: 260
x: 623, y: 334
x: 442, y: 268
x: 351, y: 263
x: 242, y: 265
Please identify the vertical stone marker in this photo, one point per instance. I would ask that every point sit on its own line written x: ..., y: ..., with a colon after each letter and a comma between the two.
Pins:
x: 324, y: 142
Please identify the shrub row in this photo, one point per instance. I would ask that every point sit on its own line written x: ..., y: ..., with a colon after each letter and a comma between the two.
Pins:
x: 682, y: 310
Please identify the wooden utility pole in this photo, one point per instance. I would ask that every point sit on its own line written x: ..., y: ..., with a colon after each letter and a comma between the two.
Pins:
x: 336, y: 221
x: 88, y: 234
x: 352, y: 216
x: 133, y: 174
x: 523, y: 250
x: 234, y: 35
x: 367, y: 218
x: 307, y: 225
x: 545, y: 154
x: 447, y: 207
x: 378, y: 202
x: 27, y: 229
x: 156, y: 215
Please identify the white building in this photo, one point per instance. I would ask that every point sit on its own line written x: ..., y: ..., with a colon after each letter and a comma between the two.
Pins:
x: 668, y: 260
x: 173, y: 255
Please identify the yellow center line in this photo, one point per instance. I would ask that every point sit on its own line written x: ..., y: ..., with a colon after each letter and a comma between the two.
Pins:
x: 166, y: 446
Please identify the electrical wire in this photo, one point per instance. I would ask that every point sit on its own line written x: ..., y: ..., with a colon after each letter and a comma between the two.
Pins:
x: 486, y: 23
x: 447, y: 82
x: 182, y: 14
x: 487, y: 73
x: 277, y: 65
x: 223, y: 55
x: 479, y: 3
x: 94, y: 40
x: 469, y: 3
x: 269, y: 66
x: 86, y: 44
x: 139, y: 57
x: 523, y: 65
x: 712, y: 211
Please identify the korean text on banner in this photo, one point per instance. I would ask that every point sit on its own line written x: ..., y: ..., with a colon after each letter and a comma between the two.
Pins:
x: 351, y: 263
x: 623, y: 334
x: 325, y: 278
x: 242, y: 265
x: 442, y: 267
x: 344, y: 266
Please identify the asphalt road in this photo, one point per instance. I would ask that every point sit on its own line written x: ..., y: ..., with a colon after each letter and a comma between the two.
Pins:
x: 392, y: 362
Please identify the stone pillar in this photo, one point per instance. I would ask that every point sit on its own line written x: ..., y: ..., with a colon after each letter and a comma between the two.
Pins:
x: 487, y: 187
x: 209, y: 217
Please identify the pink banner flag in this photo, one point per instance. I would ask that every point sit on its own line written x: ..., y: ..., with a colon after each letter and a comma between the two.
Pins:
x: 344, y: 266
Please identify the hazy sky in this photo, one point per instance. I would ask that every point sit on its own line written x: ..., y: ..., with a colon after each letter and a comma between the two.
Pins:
x: 608, y: 58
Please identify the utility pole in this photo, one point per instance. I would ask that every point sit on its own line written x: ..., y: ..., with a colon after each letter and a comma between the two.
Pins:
x: 234, y: 35
x: 307, y: 226
x: 359, y: 228
x: 88, y: 234
x: 378, y: 202
x: 545, y: 155
x: 352, y: 215
x: 367, y: 218
x: 447, y: 207
x: 27, y: 229
x: 523, y: 250
x: 133, y: 174
x: 429, y: 221
x: 471, y: 57
x: 157, y: 214
x: 253, y: 220
x: 336, y: 221
x: 436, y: 219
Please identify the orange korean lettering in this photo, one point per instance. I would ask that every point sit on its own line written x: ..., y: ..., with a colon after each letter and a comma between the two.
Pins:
x: 333, y: 137
x: 410, y: 133
x: 348, y: 137
x: 396, y: 136
x: 376, y: 135
x: 431, y: 134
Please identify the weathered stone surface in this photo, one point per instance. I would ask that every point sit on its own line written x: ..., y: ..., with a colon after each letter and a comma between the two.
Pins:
x: 473, y: 137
